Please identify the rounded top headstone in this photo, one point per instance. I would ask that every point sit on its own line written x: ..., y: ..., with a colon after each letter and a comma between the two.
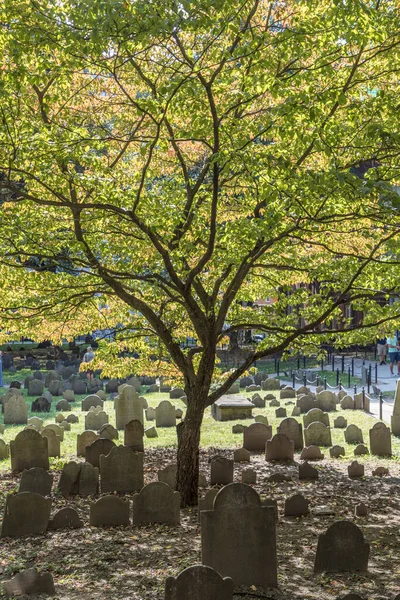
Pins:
x: 236, y: 495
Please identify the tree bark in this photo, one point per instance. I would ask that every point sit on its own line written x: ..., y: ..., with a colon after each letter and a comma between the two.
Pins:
x: 188, y: 451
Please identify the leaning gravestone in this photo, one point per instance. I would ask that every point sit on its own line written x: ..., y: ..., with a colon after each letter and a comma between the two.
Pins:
x: 96, y: 449
x: 279, y: 448
x: 121, y: 471
x: 29, y: 450
x: 133, y: 435
x: 168, y: 475
x: 16, y: 411
x: 29, y: 582
x: 68, y: 483
x: 221, y: 471
x: 317, y: 434
x: 86, y: 438
x: 4, y: 450
x: 256, y: 436
x: 156, y: 503
x: 316, y: 415
x: 293, y: 430
x: 380, y: 440
x: 199, y: 583
x: 341, y: 549
x: 307, y: 471
x: 296, y: 506
x: 25, y: 514
x: 108, y: 431
x: 353, y: 435
x: 238, y: 537
x: 36, y: 480
x: 165, y: 414
x: 109, y: 511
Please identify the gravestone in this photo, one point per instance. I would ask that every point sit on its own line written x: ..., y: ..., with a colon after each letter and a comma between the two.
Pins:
x: 238, y: 428
x: 296, y: 412
x: 86, y: 438
x: 91, y: 400
x: 360, y: 449
x: 229, y: 409
x: 199, y: 583
x: 306, y: 403
x: 258, y: 401
x: 221, y: 471
x: 176, y: 393
x: 340, y: 423
x: 69, y: 396
x: 4, y: 450
x: 303, y: 390
x: 279, y: 448
x: 35, y: 387
x: 66, y: 518
x: 56, y: 387
x: 59, y: 418
x: 353, y: 435
x: 255, y: 436
x: 336, y: 451
x: 88, y: 482
x: 361, y: 510
x: 347, y: 403
x: 380, y: 440
x: 274, y: 403
x: 109, y: 511
x: 96, y: 449
x: 95, y: 420
x: 165, y: 414
x: 168, y: 475
x: 56, y: 428
x: 296, y: 506
x: 317, y: 434
x: 178, y: 413
x: 72, y: 418
x: 69, y: 479
x: 380, y: 472
x: 270, y: 384
x: 326, y: 401
x: 355, y: 469
x: 124, y: 406
x: 121, y: 471
x: 307, y: 471
x: 249, y: 476
x: 260, y: 419
x: 151, y: 432
x: 207, y: 502
x: 79, y: 386
x: 293, y: 430
x: 36, y: 480
x: 15, y: 411
x: 28, y: 450
x: 156, y: 503
x: 395, y: 419
x: 234, y: 389
x: 241, y: 455
x: 26, y: 513
x: 341, y: 549
x: 63, y: 405
x: 41, y: 404
x: 108, y: 431
x: 29, y: 582
x: 202, y: 481
x: 150, y: 413
x: 316, y: 415
x: 238, y: 537
x: 53, y: 442
x: 286, y: 393
x: 280, y: 413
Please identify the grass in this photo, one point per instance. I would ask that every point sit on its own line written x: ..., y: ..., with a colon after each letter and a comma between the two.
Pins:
x: 213, y: 433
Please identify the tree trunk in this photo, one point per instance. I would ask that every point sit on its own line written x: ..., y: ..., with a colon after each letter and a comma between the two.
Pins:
x: 188, y: 451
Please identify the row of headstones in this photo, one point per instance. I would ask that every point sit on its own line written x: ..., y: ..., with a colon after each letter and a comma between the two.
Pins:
x: 198, y: 582
x: 322, y: 399
x: 316, y: 433
x: 238, y: 537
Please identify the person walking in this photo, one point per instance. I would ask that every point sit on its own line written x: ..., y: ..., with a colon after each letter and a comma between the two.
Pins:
x: 87, y: 358
x: 394, y: 353
x: 381, y: 348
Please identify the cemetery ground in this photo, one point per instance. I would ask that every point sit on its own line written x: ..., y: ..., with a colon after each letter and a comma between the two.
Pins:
x: 134, y: 562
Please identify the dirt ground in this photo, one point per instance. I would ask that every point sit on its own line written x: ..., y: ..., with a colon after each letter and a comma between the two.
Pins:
x: 133, y: 562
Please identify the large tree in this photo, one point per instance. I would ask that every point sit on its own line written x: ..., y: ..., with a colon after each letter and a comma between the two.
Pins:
x: 179, y: 160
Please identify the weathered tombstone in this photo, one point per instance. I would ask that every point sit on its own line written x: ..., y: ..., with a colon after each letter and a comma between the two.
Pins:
x: 199, y: 583
x: 36, y: 480
x: 35, y: 387
x: 150, y: 413
x: 287, y: 393
x: 151, y: 432
x: 258, y: 401
x: 360, y: 449
x: 296, y: 506
x: 56, y: 387
x: 156, y: 503
x: 341, y: 549
x: 326, y: 401
x: 121, y: 471
x: 207, y: 502
x: 238, y: 537
x: 361, y: 510
x: 234, y: 389
x: 279, y: 448
x: 296, y: 412
x: 303, y: 390
x: 311, y: 453
x: 316, y: 415
x: 124, y: 406
x: 101, y: 394
x: 256, y: 436
x: 317, y: 434
x: 395, y: 419
x: 85, y: 439
x: 72, y: 418
x: 307, y: 471
x: 380, y: 440
x: 168, y: 475
x: 79, y: 387
x: 69, y: 479
x: 59, y: 418
x: 26, y: 513
x: 109, y: 511
x: 280, y: 413
x: 91, y: 400
x: 306, y: 403
x: 41, y: 404
x: 15, y: 411
x: 88, y: 482
x: 165, y: 414
x: 4, y: 450
x: 293, y: 430
x: 270, y: 384
x: 28, y: 450
x: 249, y: 476
x: 353, y: 435
x: 96, y: 449
x: 238, y: 428
x: 95, y: 420
x: 56, y: 428
x: 274, y: 402
x: 229, y: 409
x: 380, y: 472
x: 347, y: 403
x: 69, y: 396
x: 241, y: 455
x: 178, y: 413
x: 63, y: 405
x: 53, y: 442
x: 340, y: 423
x: 66, y: 518
x: 355, y: 469
x: 29, y: 582
x: 221, y: 471
x: 202, y: 483
x: 260, y: 419
x: 336, y: 451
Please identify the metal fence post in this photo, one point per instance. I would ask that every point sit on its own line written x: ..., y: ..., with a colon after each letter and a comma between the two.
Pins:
x: 277, y: 367
x: 324, y: 383
x: 349, y: 377
x: 380, y: 405
x: 363, y: 397
x: 294, y: 379
x: 337, y: 376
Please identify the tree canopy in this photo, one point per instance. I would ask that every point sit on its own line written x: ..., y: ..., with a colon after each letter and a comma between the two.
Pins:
x: 175, y: 161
